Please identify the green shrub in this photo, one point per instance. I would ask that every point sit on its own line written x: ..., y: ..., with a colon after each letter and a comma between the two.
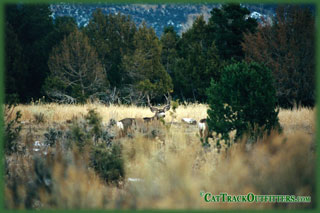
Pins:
x: 243, y: 100
x: 78, y: 135
x: 12, y: 134
x: 108, y: 162
x: 52, y: 136
x: 39, y: 117
x: 95, y: 122
x: 174, y: 105
x: 87, y: 131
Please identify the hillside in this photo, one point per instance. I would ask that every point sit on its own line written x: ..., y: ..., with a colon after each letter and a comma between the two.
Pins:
x: 156, y: 16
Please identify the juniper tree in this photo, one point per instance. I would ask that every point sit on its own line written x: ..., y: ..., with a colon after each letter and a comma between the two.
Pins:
x: 75, y: 69
x: 144, y: 66
x: 287, y: 47
x: 112, y: 36
x: 244, y: 100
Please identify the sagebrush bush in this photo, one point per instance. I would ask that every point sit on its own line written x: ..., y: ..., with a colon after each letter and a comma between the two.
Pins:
x: 88, y: 131
x: 39, y: 117
x: 12, y: 133
x: 108, y: 162
x: 159, y: 167
x: 94, y: 120
x: 52, y: 136
x: 78, y: 135
x: 244, y: 97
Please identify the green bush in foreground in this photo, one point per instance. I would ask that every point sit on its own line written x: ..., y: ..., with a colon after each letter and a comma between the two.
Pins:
x: 108, y: 162
x: 243, y: 100
x: 12, y: 131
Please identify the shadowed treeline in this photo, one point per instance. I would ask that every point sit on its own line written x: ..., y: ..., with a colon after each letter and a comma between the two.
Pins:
x: 114, y: 61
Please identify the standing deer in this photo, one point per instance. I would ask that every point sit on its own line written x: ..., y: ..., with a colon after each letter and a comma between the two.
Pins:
x: 204, y: 130
x: 159, y: 113
x: 124, y: 125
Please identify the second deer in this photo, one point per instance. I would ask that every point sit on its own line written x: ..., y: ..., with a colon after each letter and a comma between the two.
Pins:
x: 159, y: 112
x: 204, y: 130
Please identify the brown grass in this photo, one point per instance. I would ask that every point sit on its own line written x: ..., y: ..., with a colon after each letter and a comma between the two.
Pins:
x: 173, y: 167
x: 61, y: 113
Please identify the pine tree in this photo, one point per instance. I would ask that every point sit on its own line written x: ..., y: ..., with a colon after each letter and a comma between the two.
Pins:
x: 14, y: 74
x: 226, y: 27
x: 75, y: 69
x: 169, y: 41
x: 32, y: 24
x: 112, y: 36
x: 243, y: 100
x: 288, y: 48
x: 144, y: 66
x: 198, y: 62
x: 62, y: 27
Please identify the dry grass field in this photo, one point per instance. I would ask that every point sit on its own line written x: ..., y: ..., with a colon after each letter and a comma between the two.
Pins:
x: 167, y: 170
x: 61, y: 113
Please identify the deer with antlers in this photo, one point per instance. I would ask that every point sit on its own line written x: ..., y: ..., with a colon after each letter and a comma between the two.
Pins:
x: 159, y: 112
x: 126, y: 124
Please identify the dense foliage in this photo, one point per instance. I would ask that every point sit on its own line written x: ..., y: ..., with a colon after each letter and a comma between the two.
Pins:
x: 287, y: 47
x: 112, y: 36
x: 12, y: 129
x: 108, y: 162
x: 226, y: 27
x: 130, y: 61
x: 144, y: 65
x: 243, y: 100
x: 197, y: 64
x: 27, y: 49
x: 75, y: 69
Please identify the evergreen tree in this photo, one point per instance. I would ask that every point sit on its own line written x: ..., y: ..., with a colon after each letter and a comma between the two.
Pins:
x: 197, y: 64
x: 112, y: 36
x: 226, y: 27
x: 62, y: 27
x: 169, y: 41
x: 144, y: 66
x: 244, y: 99
x: 15, y: 83
x: 32, y: 24
x: 76, y: 71
x: 288, y: 48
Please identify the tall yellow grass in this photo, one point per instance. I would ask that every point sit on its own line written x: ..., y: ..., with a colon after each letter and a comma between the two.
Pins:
x: 173, y: 168
x: 60, y: 113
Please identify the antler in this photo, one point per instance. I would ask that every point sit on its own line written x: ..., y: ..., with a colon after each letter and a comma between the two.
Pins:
x: 168, y: 98
x: 149, y: 101
x: 153, y: 109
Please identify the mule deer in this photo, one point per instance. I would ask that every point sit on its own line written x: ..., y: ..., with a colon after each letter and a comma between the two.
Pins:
x: 159, y: 113
x: 204, y: 130
x: 125, y: 124
x: 189, y: 121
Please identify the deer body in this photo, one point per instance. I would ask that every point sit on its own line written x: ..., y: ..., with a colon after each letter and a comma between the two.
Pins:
x: 204, y: 130
x: 148, y: 119
x: 125, y: 124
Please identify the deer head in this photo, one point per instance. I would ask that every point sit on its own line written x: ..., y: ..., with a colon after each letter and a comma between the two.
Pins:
x: 159, y: 112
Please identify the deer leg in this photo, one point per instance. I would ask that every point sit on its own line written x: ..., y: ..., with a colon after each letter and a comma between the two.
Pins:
x: 206, y: 137
x: 201, y: 135
x: 120, y: 133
